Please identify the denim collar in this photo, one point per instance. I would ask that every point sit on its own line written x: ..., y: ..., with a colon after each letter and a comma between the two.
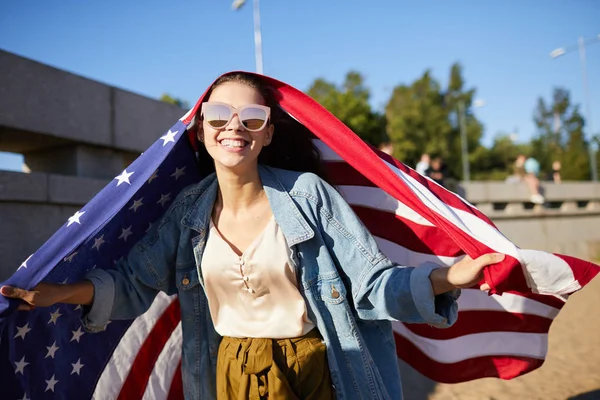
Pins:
x: 294, y: 226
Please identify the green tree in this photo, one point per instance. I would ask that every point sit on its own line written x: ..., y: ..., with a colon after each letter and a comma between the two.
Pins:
x: 423, y: 118
x: 350, y: 104
x: 174, y: 100
x: 560, y: 136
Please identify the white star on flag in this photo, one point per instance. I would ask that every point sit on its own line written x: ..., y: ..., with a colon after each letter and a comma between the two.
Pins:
x: 124, y: 177
x: 153, y: 176
x: 24, y: 265
x: 54, y: 317
x: 76, y: 335
x: 20, y: 366
x: 77, y: 367
x: 98, y: 242
x: 51, y: 384
x: 52, y: 350
x: 125, y: 233
x: 178, y: 172
x: 75, y: 218
x: 25, y: 397
x: 169, y: 137
x: 164, y: 199
x: 69, y: 258
x: 137, y: 204
x: 22, y: 331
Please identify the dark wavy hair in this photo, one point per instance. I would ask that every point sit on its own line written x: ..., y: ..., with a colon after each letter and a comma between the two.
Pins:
x: 291, y: 147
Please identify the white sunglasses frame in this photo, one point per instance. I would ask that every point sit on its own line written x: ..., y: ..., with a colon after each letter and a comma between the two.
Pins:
x: 237, y: 111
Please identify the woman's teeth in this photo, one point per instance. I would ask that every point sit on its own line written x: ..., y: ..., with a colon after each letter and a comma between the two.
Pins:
x: 233, y: 143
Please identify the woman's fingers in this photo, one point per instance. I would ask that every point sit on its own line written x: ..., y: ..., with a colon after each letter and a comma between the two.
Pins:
x: 17, y: 293
x: 484, y: 261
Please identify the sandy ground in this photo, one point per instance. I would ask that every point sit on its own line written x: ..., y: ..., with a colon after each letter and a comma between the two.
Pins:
x: 571, y: 370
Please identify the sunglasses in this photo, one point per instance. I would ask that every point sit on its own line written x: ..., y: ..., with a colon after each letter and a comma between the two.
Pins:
x: 253, y: 117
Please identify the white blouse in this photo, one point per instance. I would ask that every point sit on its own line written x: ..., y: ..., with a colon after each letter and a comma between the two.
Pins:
x: 254, y: 295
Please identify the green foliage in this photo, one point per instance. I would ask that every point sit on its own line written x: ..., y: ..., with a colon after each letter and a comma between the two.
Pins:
x: 350, y: 104
x: 423, y: 117
x: 174, y: 100
x: 560, y: 137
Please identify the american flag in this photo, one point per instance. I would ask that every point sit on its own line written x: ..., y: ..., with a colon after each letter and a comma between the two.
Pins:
x: 45, y: 353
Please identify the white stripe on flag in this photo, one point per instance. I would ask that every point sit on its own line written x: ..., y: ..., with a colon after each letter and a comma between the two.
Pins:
x: 117, y: 369
x: 164, y: 369
x: 534, y: 345
x: 473, y: 299
x: 403, y: 256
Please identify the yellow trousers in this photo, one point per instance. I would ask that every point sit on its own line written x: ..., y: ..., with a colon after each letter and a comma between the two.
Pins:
x: 257, y: 369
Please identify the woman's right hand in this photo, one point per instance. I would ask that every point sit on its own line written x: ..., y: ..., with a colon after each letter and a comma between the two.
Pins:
x: 43, y: 295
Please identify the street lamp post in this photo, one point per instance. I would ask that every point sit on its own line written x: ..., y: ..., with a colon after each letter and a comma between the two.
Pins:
x: 581, y: 43
x: 464, y: 143
x: 236, y: 5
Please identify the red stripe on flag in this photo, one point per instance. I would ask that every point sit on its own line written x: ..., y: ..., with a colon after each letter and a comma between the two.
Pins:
x: 413, y: 236
x: 481, y: 321
x: 504, y: 367
x: 176, y: 389
x: 141, y: 369
x: 341, y: 173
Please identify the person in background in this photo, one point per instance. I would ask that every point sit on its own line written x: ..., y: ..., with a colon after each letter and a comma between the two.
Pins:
x: 531, y: 168
x: 423, y: 165
x: 437, y: 171
x: 387, y: 148
x: 554, y: 175
x: 527, y: 170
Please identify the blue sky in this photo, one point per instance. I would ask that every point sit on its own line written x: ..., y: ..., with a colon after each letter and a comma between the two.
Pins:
x: 181, y: 46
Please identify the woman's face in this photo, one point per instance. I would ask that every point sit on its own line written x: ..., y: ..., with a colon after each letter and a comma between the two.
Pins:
x: 233, y: 147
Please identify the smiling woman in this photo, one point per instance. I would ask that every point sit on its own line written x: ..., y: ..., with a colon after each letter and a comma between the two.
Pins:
x: 283, y: 292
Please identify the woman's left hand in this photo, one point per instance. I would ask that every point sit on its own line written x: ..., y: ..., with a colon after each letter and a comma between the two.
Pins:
x: 464, y: 274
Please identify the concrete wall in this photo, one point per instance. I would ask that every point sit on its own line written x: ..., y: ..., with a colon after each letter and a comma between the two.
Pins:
x: 568, y: 223
x: 64, y: 123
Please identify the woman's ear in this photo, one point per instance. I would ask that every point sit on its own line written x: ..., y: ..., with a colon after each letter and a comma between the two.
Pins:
x: 200, y: 132
x: 269, y: 134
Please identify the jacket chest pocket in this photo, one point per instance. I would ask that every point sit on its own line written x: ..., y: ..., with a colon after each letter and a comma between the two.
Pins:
x: 331, y: 291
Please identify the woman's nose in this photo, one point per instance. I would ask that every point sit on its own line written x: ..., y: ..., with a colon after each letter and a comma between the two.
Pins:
x: 235, y: 124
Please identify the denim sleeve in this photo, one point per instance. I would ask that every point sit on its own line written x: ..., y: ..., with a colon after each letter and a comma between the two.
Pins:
x: 128, y: 290
x: 381, y: 289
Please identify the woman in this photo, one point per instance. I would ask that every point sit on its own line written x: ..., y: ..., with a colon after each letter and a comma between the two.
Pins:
x: 284, y: 293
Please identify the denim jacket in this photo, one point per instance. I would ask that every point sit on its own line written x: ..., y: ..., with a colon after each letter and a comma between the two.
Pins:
x: 352, y: 291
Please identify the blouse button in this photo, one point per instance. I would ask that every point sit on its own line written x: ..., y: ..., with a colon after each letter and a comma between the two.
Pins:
x: 245, y: 278
x: 250, y: 290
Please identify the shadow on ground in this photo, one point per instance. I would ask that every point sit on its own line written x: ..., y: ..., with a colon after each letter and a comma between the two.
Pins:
x: 593, y: 395
x: 415, y: 386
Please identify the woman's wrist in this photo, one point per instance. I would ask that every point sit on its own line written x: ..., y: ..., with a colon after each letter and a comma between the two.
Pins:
x: 439, y: 281
x: 77, y: 293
